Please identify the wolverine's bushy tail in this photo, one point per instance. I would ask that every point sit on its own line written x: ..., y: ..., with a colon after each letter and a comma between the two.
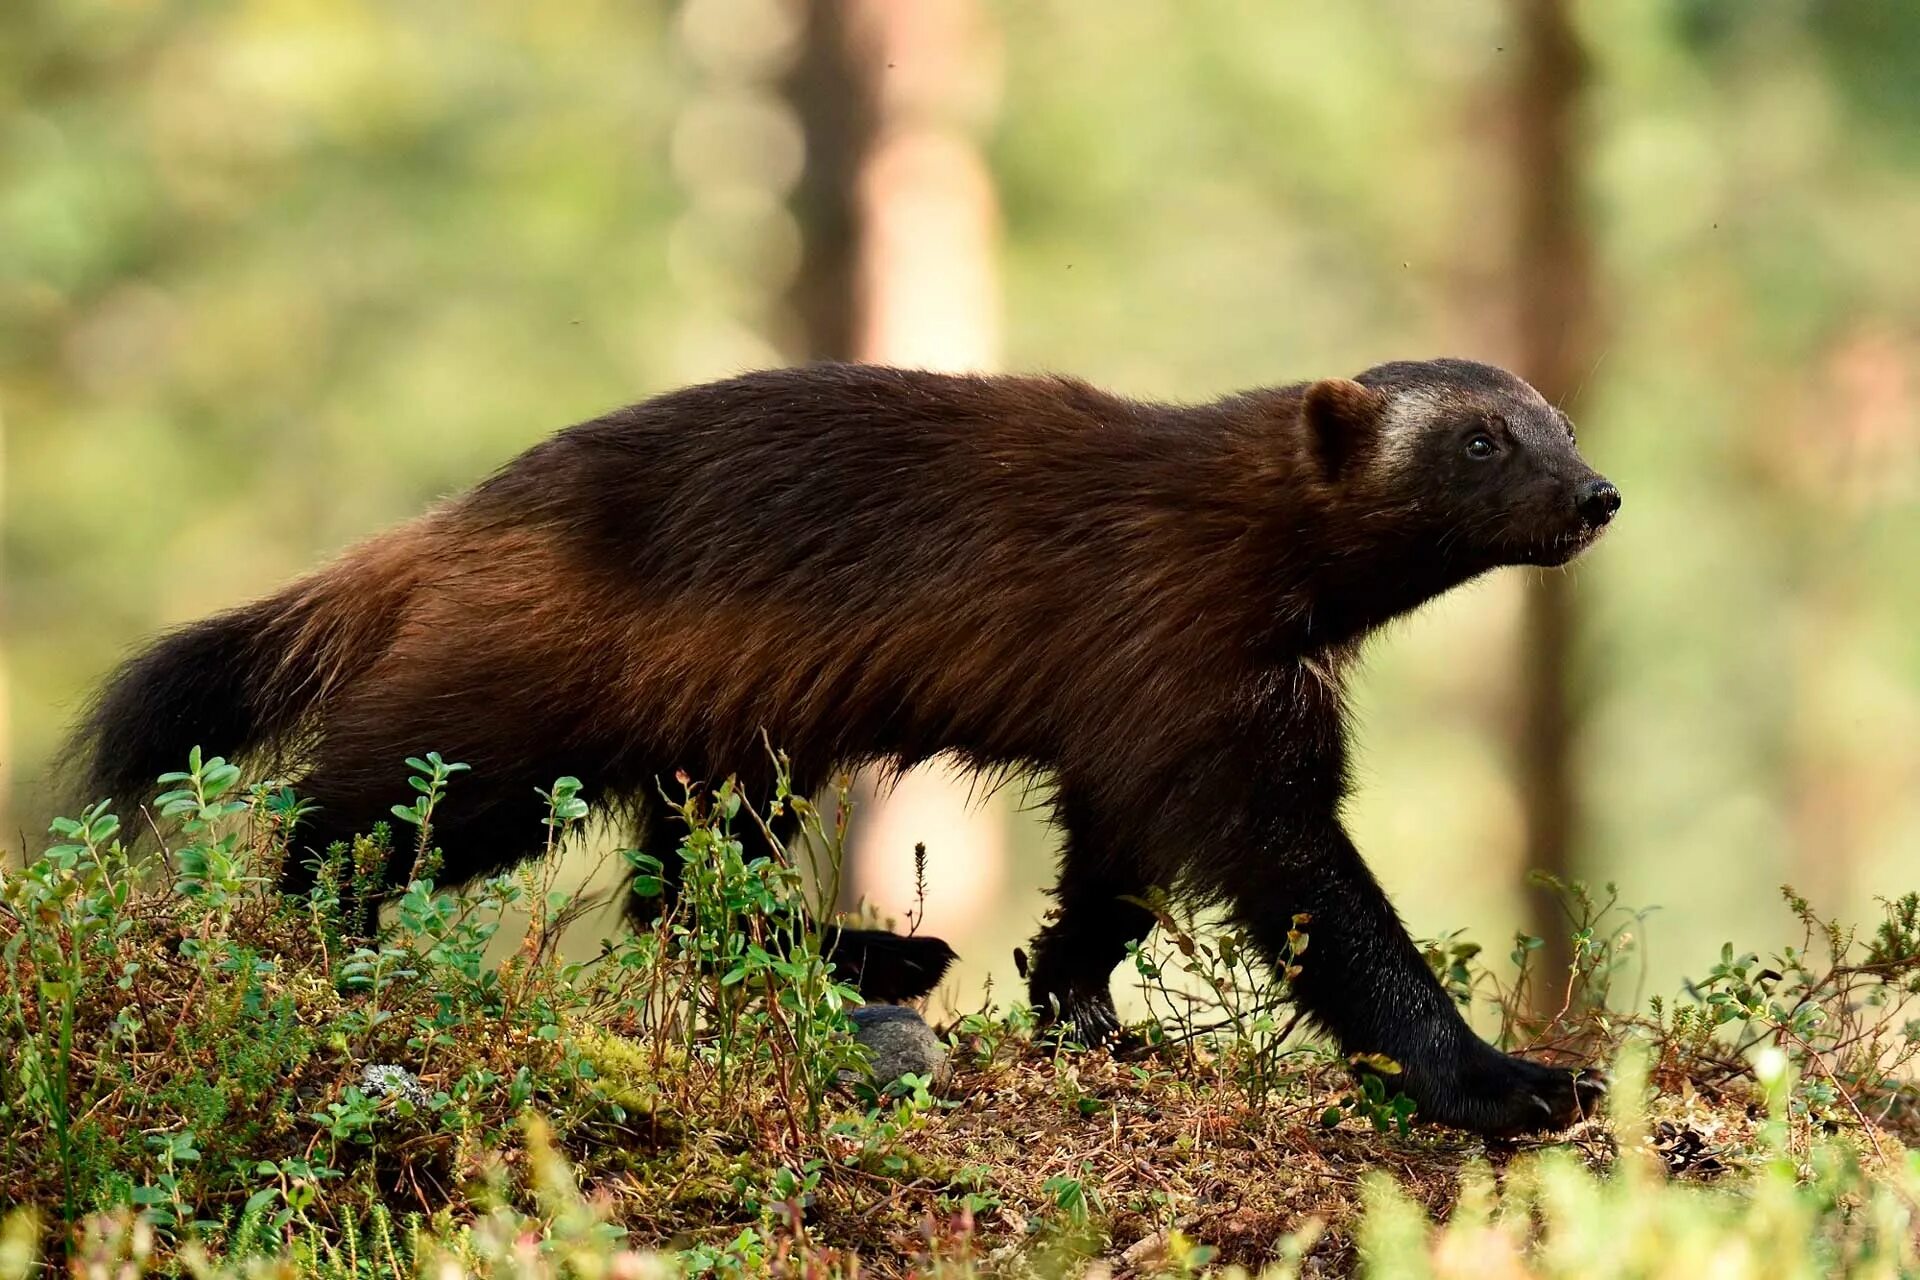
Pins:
x: 247, y: 682
x: 194, y: 687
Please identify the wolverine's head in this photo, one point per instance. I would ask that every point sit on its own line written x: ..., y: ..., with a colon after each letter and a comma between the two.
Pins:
x: 1464, y: 454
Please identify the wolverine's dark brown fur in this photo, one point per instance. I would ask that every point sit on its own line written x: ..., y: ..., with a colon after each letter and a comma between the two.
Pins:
x: 1151, y: 604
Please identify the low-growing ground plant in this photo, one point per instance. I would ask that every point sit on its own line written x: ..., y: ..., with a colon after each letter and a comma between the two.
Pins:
x: 1805, y: 1210
x: 200, y: 1075
x: 1229, y: 995
x: 231, y: 1064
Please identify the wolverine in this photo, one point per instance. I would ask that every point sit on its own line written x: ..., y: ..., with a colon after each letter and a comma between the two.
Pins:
x: 1155, y: 607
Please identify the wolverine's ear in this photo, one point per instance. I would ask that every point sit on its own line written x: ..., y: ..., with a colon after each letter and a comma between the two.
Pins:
x: 1343, y: 419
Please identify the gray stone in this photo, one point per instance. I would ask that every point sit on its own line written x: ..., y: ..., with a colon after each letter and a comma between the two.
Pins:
x: 899, y: 1042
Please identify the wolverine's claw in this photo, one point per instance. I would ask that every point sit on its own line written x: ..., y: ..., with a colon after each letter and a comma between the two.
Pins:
x: 1086, y: 1017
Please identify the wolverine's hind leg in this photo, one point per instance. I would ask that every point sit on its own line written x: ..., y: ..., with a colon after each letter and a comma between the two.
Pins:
x: 661, y: 830
x: 882, y: 966
x: 479, y: 833
x: 492, y: 814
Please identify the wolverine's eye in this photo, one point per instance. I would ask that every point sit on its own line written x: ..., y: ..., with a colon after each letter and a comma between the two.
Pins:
x: 1481, y: 447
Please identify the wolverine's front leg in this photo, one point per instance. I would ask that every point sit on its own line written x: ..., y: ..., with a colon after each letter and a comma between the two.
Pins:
x: 1277, y: 786
x: 1364, y: 980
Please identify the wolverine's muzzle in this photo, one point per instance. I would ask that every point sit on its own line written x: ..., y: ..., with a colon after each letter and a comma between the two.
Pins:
x: 1596, y: 500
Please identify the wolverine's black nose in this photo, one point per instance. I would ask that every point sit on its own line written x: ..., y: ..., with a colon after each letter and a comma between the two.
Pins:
x: 1597, y: 501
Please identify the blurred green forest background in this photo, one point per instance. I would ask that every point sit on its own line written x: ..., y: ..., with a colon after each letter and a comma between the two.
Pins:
x: 276, y: 273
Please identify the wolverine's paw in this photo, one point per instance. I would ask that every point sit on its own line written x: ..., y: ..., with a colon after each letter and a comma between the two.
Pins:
x: 1488, y: 1092
x: 888, y: 967
x: 1087, y: 1016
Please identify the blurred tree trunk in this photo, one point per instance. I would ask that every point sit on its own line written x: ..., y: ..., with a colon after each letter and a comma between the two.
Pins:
x: 1556, y: 340
x: 833, y: 89
x: 898, y: 221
